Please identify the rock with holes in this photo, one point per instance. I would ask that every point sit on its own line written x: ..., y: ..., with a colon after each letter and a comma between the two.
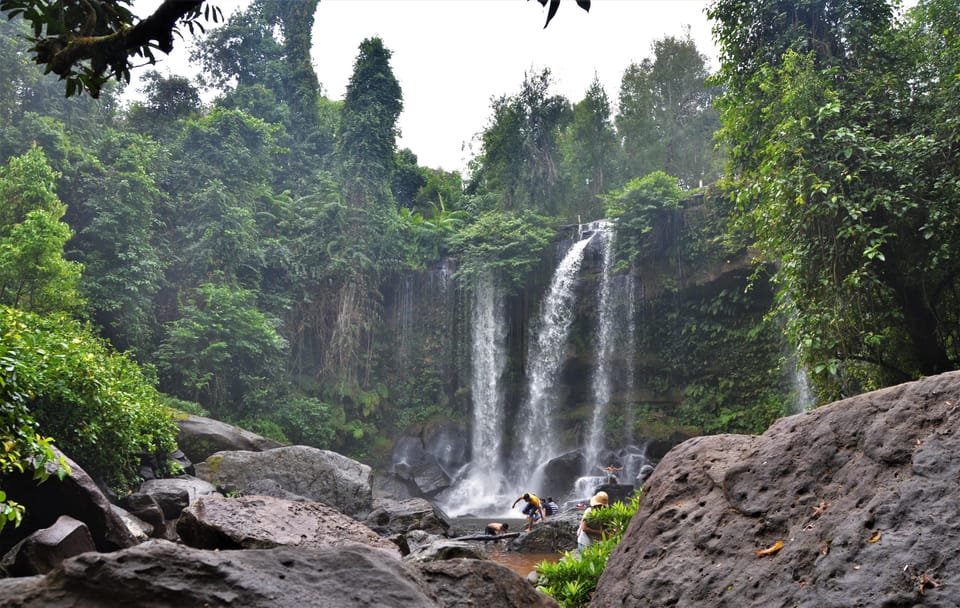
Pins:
x: 852, y: 504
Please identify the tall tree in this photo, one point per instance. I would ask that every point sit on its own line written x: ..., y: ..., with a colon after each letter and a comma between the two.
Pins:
x: 845, y: 175
x: 367, y: 140
x: 521, y: 146
x: 666, y: 118
x: 34, y: 275
x: 589, y: 151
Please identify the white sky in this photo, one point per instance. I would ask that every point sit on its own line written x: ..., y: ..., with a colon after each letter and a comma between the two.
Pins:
x: 453, y: 56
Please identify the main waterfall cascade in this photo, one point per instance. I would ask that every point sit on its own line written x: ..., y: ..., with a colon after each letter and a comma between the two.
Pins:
x: 489, y: 483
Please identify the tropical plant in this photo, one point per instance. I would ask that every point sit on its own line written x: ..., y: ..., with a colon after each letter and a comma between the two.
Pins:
x: 222, y: 353
x: 573, y: 579
x: 33, y: 272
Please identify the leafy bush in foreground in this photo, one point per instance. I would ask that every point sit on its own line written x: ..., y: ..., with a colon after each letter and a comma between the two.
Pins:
x: 572, y: 580
x: 95, y: 403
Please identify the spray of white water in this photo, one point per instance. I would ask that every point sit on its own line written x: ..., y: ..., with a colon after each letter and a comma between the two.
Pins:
x: 604, y: 351
x: 480, y: 489
x: 537, y: 439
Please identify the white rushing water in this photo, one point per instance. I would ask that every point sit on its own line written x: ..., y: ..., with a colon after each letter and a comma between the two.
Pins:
x: 537, y: 439
x: 630, y: 380
x: 480, y: 489
x: 602, y: 373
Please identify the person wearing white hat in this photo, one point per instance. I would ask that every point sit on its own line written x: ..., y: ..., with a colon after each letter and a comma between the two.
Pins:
x: 586, y: 534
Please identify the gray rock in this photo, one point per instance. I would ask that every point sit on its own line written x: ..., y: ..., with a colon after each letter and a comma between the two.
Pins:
x: 160, y: 574
x: 400, y: 516
x: 43, y: 550
x: 140, y: 529
x: 556, y: 535
x: 77, y: 495
x: 200, y: 437
x: 446, y: 549
x: 145, y: 507
x: 414, y: 464
x: 468, y: 583
x: 271, y: 487
x: 263, y: 522
x: 861, y: 493
x: 560, y: 474
x: 311, y: 473
x: 448, y: 443
x: 174, y: 494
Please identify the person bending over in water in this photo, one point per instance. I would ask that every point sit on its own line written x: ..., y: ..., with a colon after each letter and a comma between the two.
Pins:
x: 496, y: 528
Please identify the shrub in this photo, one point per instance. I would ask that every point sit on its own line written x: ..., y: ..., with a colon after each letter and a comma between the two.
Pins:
x: 95, y: 403
x: 572, y: 580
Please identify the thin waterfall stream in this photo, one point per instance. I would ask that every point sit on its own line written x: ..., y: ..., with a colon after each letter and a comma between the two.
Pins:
x: 602, y: 373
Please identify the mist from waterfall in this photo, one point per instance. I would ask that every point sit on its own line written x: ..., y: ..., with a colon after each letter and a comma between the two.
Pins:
x: 602, y: 373
x: 537, y: 440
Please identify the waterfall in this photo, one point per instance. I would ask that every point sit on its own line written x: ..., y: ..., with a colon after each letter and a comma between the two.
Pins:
x: 489, y: 358
x: 537, y: 439
x: 480, y: 488
x: 602, y: 376
x: 628, y: 416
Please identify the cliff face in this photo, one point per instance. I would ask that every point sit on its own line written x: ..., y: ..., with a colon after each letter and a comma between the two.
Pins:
x: 691, y: 351
x: 856, y: 503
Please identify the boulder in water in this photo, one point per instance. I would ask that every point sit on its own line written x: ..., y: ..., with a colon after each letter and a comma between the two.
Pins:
x: 561, y: 473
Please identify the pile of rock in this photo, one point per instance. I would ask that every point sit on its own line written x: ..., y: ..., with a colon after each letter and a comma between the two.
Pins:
x: 268, y: 526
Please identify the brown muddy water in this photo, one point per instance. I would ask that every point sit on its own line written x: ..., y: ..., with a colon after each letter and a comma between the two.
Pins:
x: 521, y: 563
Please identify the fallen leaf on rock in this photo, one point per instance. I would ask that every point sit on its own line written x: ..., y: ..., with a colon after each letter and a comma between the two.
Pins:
x: 824, y: 547
x: 925, y: 581
x: 770, y: 550
x: 874, y: 538
x: 819, y: 509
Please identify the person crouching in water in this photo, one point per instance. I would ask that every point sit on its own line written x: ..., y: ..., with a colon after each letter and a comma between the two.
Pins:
x: 587, y: 534
x: 495, y: 528
x: 533, y: 509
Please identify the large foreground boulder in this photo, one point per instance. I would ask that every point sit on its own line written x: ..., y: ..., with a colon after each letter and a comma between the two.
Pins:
x: 311, y: 473
x: 161, y: 574
x: 262, y: 522
x: 852, y: 504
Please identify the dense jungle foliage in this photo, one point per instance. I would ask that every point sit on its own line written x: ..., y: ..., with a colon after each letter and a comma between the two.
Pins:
x: 241, y: 253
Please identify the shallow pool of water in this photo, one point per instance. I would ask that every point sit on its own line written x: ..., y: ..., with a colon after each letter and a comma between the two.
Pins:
x: 522, y: 563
